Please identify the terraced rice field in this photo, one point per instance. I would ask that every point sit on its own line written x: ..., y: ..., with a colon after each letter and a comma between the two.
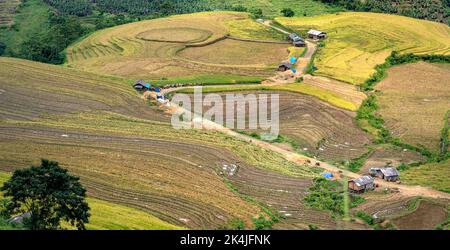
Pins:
x: 29, y: 90
x: 124, y: 151
x: 315, y: 127
x: 359, y: 41
x: 405, y: 213
x: 110, y: 216
x: 383, y: 205
x: 412, y: 93
x: 327, y: 93
x: 140, y: 174
x: 7, y: 11
x: 232, y: 51
x: 155, y: 49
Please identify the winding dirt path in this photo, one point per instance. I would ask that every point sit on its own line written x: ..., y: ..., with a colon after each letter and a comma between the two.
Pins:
x: 405, y: 190
x: 304, y: 160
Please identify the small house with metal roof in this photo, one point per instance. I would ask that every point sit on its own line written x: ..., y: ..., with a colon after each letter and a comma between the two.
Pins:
x: 316, y: 34
x: 299, y: 43
x: 294, y: 37
x: 361, y: 184
x: 387, y: 173
x: 141, y: 85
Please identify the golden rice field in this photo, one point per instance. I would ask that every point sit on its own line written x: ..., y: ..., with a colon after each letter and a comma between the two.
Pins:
x: 180, y: 47
x: 359, y: 41
x: 248, y: 28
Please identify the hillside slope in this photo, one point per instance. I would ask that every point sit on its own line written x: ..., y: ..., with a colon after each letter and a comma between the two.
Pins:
x: 126, y: 152
x: 359, y: 41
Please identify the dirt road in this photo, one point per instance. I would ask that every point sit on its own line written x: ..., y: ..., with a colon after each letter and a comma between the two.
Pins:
x: 302, y: 159
x: 295, y: 157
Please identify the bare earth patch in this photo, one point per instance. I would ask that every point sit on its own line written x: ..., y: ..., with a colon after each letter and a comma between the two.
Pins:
x: 427, y: 216
x: 395, y: 156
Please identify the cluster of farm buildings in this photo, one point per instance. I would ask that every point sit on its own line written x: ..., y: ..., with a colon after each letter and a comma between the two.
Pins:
x: 366, y: 182
x: 298, y: 41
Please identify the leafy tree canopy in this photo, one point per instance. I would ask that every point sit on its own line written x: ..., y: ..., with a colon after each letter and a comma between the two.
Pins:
x: 49, y: 194
x: 287, y: 12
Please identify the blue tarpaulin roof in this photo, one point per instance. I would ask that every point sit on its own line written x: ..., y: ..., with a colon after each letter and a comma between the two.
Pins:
x: 292, y: 59
x: 147, y: 85
x: 327, y: 175
x: 157, y: 90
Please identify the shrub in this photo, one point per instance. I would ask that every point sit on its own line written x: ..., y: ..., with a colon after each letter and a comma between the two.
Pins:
x: 234, y: 224
x: 261, y: 223
x: 365, y: 217
x: 2, y: 48
x: 287, y: 12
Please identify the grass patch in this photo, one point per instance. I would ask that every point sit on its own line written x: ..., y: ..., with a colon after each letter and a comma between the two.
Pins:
x: 31, y: 18
x: 433, y: 175
x: 445, y: 138
x: 330, y: 196
x: 208, y: 80
x: 356, y: 164
x: 109, y: 216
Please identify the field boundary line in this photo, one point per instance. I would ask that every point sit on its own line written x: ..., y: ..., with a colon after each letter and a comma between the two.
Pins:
x: 255, y: 40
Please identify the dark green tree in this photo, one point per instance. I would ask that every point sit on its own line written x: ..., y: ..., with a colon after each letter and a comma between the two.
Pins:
x: 287, y: 12
x: 2, y: 48
x: 49, y: 194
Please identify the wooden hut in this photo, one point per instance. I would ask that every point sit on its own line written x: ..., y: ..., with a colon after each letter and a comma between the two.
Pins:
x: 284, y: 66
x: 294, y: 37
x: 361, y: 184
x: 300, y: 43
x: 387, y: 173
